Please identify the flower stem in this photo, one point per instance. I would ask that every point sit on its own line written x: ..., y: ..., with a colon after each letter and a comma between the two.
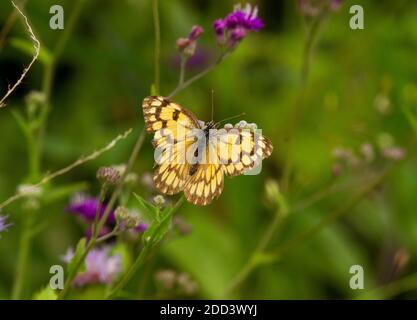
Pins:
x: 140, y: 259
x: 157, y: 29
x: 101, y: 197
x: 103, y: 219
x: 184, y: 84
x: 35, y: 147
x: 183, y: 65
x: 310, y: 40
x: 253, y: 263
x: 23, y: 258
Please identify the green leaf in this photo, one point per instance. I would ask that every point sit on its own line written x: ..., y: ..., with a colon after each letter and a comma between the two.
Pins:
x: 46, y: 293
x: 158, y: 229
x: 147, y: 207
x: 27, y: 47
x: 21, y: 121
x: 77, y: 256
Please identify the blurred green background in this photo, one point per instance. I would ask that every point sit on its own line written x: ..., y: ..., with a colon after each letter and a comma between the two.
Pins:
x: 360, y: 83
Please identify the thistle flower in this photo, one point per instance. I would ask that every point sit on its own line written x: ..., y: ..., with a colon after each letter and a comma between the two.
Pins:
x: 86, y: 207
x: 3, y: 225
x: 101, y: 267
x: 234, y: 27
x: 108, y: 176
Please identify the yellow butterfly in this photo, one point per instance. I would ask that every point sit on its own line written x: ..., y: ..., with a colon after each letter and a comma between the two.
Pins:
x: 193, y: 156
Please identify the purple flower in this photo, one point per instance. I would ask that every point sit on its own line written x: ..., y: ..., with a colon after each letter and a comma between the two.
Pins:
x: 86, y: 207
x: 101, y: 267
x: 234, y: 27
x: 142, y: 227
x: 196, y: 32
x: 219, y: 27
x: 237, y: 35
x: 3, y: 225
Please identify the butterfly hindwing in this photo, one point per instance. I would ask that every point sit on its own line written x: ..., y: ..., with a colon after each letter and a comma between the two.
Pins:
x: 240, y: 150
x: 206, y: 183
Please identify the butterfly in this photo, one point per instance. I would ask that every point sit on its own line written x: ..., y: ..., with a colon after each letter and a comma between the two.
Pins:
x: 193, y: 156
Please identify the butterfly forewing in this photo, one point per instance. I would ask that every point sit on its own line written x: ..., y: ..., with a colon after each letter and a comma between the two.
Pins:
x: 170, y: 124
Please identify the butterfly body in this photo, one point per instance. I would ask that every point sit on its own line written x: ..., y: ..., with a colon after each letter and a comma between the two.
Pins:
x: 193, y: 156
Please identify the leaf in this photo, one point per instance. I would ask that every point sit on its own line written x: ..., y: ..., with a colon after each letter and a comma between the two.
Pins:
x: 77, y: 256
x: 27, y: 47
x: 46, y: 293
x: 23, y: 125
x: 147, y: 207
x: 158, y: 229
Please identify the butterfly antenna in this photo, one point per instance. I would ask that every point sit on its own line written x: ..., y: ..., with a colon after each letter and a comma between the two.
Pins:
x: 230, y: 118
x: 212, y: 105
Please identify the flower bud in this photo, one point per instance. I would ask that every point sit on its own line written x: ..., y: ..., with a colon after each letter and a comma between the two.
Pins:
x: 159, y: 200
x: 195, y: 33
x: 108, y: 175
x: 127, y: 218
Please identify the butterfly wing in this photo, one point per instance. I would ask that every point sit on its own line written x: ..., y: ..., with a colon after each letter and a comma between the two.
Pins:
x: 240, y: 150
x: 207, y: 182
x: 171, y: 125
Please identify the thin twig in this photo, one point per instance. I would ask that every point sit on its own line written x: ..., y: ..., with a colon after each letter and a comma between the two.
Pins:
x: 103, y: 219
x: 68, y: 168
x: 37, y: 47
x: 183, y: 84
x: 155, y: 12
x: 8, y: 25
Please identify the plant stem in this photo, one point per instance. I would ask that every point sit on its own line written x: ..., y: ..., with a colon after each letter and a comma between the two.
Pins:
x: 333, y: 216
x: 312, y: 33
x: 35, y: 147
x: 184, y: 84
x: 253, y: 263
x: 392, y: 289
x: 103, y: 219
x: 140, y: 259
x: 101, y: 197
x: 23, y: 258
x: 183, y: 65
x: 155, y: 12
